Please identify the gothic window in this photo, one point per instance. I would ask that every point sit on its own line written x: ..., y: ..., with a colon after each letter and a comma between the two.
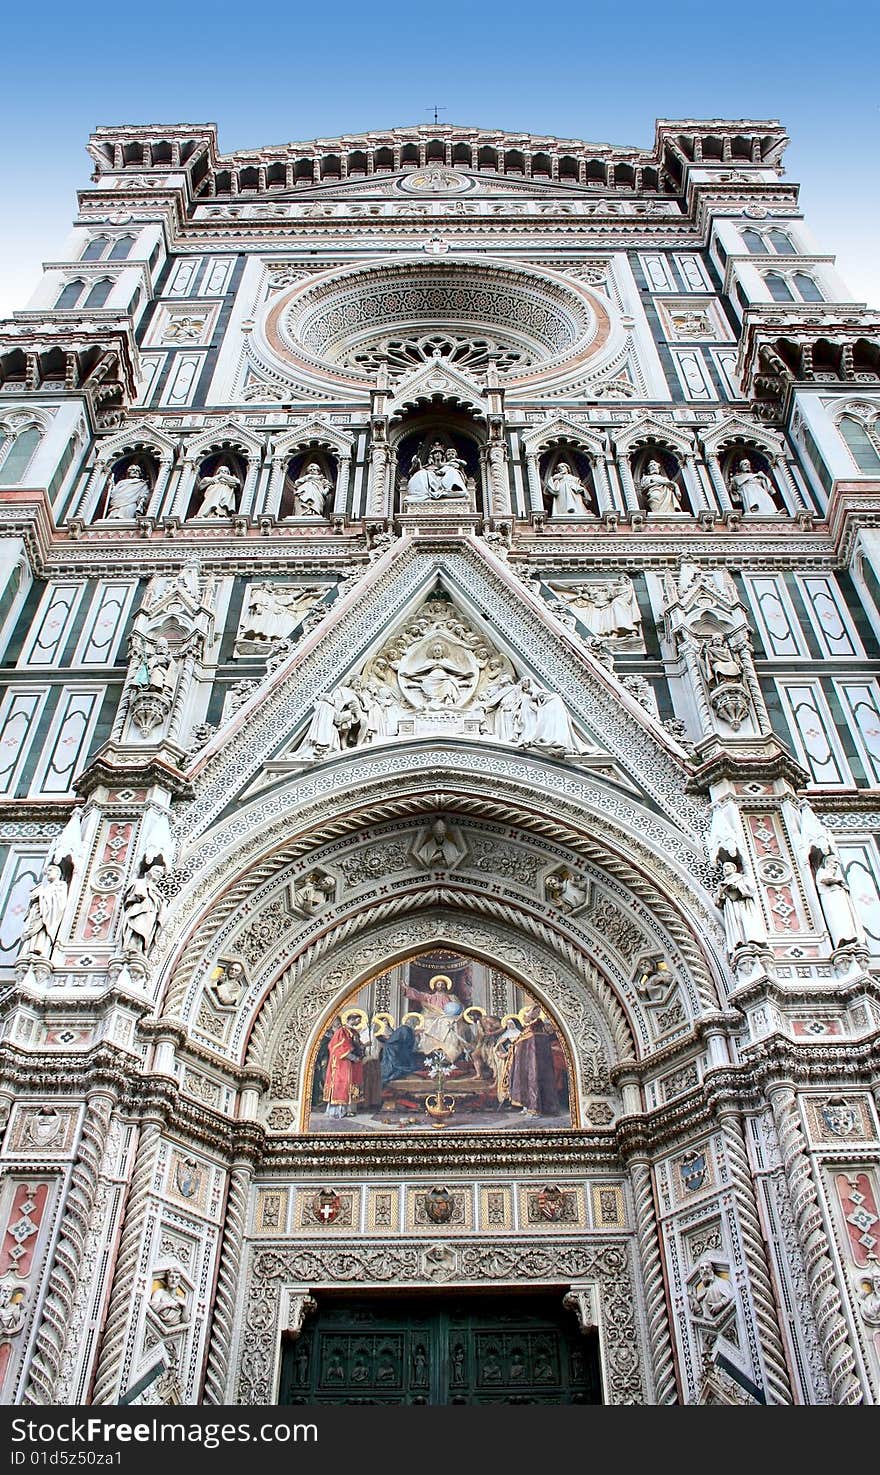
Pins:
x: 70, y: 294
x: 95, y: 249
x: 781, y: 243
x: 807, y: 287
x: 778, y: 287
x: 755, y: 243
x: 16, y: 453
x: 860, y: 443
x: 99, y: 293
x: 121, y: 248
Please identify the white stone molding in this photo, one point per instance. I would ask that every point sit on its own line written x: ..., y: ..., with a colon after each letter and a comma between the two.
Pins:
x: 280, y: 1271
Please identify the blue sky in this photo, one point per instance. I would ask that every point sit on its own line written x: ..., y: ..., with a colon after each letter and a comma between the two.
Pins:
x: 269, y: 72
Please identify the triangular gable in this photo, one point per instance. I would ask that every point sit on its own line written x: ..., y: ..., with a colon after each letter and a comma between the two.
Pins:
x: 264, y: 732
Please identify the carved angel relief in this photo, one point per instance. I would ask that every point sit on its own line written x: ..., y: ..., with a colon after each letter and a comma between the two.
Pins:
x: 438, y: 676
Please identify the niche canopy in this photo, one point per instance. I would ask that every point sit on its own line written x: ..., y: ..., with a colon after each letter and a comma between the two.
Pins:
x: 537, y: 327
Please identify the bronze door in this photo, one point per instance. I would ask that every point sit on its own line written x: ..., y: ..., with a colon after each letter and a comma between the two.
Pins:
x: 464, y: 1350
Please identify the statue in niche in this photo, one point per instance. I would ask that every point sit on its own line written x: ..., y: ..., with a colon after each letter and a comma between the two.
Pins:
x: 659, y: 493
x: 835, y: 899
x: 743, y: 919
x: 143, y: 911
x: 127, y: 497
x: 310, y: 492
x: 752, y: 490
x: 220, y: 491
x: 610, y: 609
x: 167, y: 1304
x: 567, y: 492
x: 711, y: 1299
x: 719, y: 662
x: 42, y: 921
x: 442, y: 477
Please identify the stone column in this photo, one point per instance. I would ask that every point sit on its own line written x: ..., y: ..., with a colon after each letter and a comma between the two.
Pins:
x: 343, y: 478
x: 656, y: 1310
x: 630, y: 495
x: 604, y: 499
x: 533, y: 480
x: 112, y: 1352
x: 63, y: 1282
x: 825, y: 1296
x: 719, y: 483
x: 377, y: 497
x: 783, y: 472
x: 231, y: 1252
x: 767, y: 1313
x: 694, y: 485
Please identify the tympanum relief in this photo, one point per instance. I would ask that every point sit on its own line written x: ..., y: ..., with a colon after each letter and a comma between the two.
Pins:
x: 439, y: 676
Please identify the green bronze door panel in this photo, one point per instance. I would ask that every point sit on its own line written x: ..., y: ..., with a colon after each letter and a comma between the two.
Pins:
x: 404, y: 1350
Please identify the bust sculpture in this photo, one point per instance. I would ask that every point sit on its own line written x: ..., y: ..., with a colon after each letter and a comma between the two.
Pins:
x: 658, y: 491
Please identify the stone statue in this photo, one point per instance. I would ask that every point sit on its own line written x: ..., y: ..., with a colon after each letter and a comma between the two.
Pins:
x: 659, y: 493
x: 836, y: 902
x: 143, y: 912
x: 711, y: 1298
x: 156, y: 668
x: 437, y: 673
x: 12, y: 1311
x: 719, y: 662
x: 229, y: 987
x: 220, y: 491
x: 335, y: 715
x: 869, y: 1298
x: 609, y: 609
x: 310, y: 492
x: 168, y: 1300
x: 743, y: 919
x: 753, y: 490
x: 568, y: 493
x: 501, y: 704
x: 380, y: 710
x: 45, y: 910
x: 439, y: 849
x: 442, y: 477
x: 273, y: 611
x: 127, y: 497
x: 313, y: 892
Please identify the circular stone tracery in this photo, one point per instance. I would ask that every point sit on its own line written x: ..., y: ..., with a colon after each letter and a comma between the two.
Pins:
x: 339, y: 326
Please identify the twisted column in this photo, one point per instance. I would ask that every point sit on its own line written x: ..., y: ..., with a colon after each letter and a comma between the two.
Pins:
x: 63, y: 1282
x: 766, y: 1310
x: 125, y: 1270
x: 831, y: 1324
x: 222, y: 1327
x: 662, y: 1362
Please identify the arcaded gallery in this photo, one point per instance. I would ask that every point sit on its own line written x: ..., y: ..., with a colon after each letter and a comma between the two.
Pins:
x: 439, y: 763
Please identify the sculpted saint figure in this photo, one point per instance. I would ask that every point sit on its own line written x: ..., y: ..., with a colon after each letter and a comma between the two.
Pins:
x: 143, y: 911
x: 836, y: 901
x: 168, y: 1301
x: 220, y: 491
x: 711, y: 1297
x: 128, y: 496
x: 44, y: 913
x: 753, y: 489
x: 310, y: 492
x: 155, y: 671
x: 439, y: 848
x: 660, y: 494
x: 568, y: 492
x: 743, y: 919
x: 441, y: 477
x: 718, y: 662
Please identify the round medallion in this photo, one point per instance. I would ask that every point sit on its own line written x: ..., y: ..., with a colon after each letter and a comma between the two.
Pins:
x: 435, y: 182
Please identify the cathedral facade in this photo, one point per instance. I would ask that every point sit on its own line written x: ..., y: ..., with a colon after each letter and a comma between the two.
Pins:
x: 439, y: 884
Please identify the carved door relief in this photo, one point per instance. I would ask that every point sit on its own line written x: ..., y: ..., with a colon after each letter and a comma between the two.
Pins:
x: 421, y: 1350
